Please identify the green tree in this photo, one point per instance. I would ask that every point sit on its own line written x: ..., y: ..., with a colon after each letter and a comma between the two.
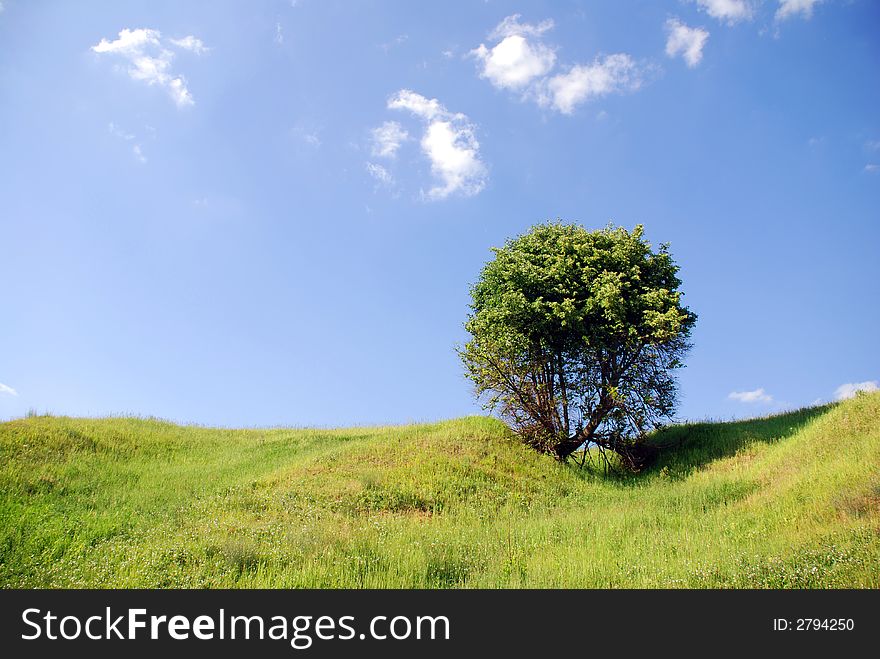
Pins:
x: 575, y: 336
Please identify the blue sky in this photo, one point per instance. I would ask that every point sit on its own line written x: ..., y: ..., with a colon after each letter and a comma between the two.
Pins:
x: 270, y: 213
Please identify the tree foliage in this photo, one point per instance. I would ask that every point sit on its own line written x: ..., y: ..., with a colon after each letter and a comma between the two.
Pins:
x: 575, y: 336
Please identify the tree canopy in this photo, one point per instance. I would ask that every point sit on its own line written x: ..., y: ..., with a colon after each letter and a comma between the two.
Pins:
x: 575, y: 335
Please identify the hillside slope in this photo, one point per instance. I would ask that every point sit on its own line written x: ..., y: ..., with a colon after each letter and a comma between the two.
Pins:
x: 786, y: 501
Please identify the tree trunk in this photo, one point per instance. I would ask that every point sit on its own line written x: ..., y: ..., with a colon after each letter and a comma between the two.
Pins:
x: 635, y: 456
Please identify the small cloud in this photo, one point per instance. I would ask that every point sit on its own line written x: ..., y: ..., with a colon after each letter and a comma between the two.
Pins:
x: 279, y: 34
x: 515, y: 61
x: 756, y: 396
x: 387, y: 138
x: 118, y: 132
x: 191, y: 43
x: 729, y: 11
x: 396, y: 41
x: 417, y: 104
x: 511, y: 26
x: 791, y: 8
x: 449, y: 142
x: 308, y: 133
x: 5, y: 389
x: 850, y: 389
x: 872, y: 168
x: 685, y: 41
x: 872, y: 145
x: 382, y: 175
x: 150, y: 59
x: 610, y: 74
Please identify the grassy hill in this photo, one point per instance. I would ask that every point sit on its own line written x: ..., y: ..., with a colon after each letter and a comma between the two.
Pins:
x: 787, y: 501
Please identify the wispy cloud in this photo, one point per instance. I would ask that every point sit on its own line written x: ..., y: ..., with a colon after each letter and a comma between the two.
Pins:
x: 308, y: 132
x: 583, y: 82
x: 149, y: 59
x: 850, y: 389
x: 449, y: 142
x: 279, y: 34
x: 387, y: 139
x: 685, y: 41
x: 791, y: 8
x: 756, y: 396
x: 381, y: 174
x: 396, y: 41
x: 729, y: 11
x: 5, y: 389
x: 872, y: 168
x: 191, y: 43
x: 121, y: 134
x: 521, y: 62
x: 138, y: 154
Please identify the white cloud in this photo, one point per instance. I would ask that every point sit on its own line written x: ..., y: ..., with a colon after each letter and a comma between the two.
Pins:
x: 606, y: 75
x: 455, y: 159
x: 790, y: 8
x: 756, y: 396
x: 871, y: 168
x: 850, y: 389
x: 873, y: 145
x: 5, y: 388
x: 514, y: 62
x: 731, y: 11
x: 381, y: 174
x: 387, y: 139
x: 279, y: 34
x: 521, y: 62
x: 191, y: 43
x: 149, y: 60
x: 449, y: 143
x: 417, y: 104
x: 685, y: 41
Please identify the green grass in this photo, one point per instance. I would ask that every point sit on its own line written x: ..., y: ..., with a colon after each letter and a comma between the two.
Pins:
x: 788, y: 501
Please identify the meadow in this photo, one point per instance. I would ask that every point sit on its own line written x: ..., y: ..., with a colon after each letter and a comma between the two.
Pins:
x: 788, y: 501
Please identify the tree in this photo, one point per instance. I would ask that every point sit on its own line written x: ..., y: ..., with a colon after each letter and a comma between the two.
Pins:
x: 574, y: 339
